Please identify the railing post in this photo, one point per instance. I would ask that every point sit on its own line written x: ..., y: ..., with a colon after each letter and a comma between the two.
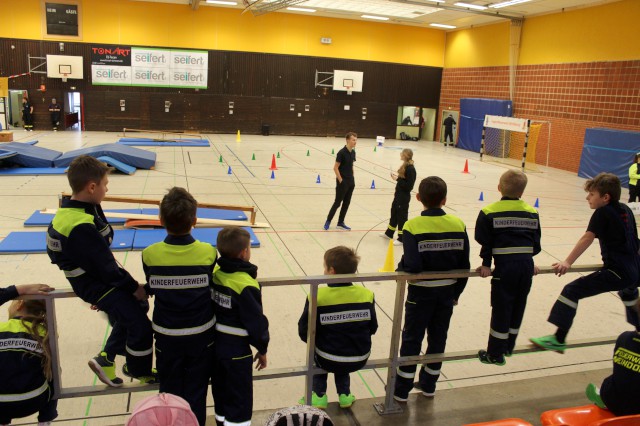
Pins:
x: 311, y: 342
x: 52, y: 331
x: 389, y: 406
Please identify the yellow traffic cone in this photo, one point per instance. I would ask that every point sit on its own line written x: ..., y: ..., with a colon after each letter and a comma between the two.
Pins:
x: 389, y: 264
x: 238, y: 137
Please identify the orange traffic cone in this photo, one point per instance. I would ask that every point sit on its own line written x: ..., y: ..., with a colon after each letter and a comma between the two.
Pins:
x: 273, y: 163
x: 466, y: 166
x: 389, y: 264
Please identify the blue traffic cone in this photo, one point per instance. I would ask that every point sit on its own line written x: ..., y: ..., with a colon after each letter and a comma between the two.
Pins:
x: 229, y: 171
x: 481, y: 196
x: 373, y: 184
x: 273, y: 174
x: 537, y: 203
x: 318, y: 180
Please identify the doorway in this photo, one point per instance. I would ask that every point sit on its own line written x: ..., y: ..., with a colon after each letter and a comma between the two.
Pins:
x: 14, y: 111
x: 73, y: 110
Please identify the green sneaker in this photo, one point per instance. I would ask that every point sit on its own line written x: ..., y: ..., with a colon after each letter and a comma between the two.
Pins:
x: 593, y: 395
x: 145, y: 380
x: 316, y: 401
x: 549, y: 343
x: 105, y: 370
x: 346, y: 401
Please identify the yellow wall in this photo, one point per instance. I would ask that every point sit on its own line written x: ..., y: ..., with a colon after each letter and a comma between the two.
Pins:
x: 483, y: 46
x: 148, y: 24
x: 610, y: 32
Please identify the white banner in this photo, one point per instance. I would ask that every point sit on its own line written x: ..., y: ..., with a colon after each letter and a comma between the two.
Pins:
x: 506, y: 123
x: 157, y: 68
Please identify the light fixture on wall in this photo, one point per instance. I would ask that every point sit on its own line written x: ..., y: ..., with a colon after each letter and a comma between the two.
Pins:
x: 223, y: 2
x: 379, y: 18
x: 507, y: 3
x: 470, y: 6
x: 301, y: 9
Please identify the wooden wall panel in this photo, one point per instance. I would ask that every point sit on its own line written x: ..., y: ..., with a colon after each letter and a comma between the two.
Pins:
x: 262, y: 87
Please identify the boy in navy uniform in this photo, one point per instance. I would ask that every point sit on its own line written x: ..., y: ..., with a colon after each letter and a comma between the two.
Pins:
x: 179, y: 274
x: 345, y: 323
x: 78, y: 242
x: 434, y: 241
x: 619, y: 392
x: 509, y: 231
x: 615, y: 227
x: 240, y: 325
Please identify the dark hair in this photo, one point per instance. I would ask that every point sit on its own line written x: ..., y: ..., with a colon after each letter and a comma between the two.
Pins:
x: 343, y: 260
x: 350, y: 134
x: 635, y: 157
x: 35, y: 321
x: 84, y: 170
x: 513, y: 183
x: 178, y: 211
x: 232, y: 240
x: 433, y: 191
x: 605, y: 183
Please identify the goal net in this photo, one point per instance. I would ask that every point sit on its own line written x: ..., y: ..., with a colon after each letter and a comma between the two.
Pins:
x: 516, y: 142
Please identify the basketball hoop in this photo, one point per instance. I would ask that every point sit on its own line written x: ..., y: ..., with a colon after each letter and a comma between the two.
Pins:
x: 349, y: 91
x: 64, y: 77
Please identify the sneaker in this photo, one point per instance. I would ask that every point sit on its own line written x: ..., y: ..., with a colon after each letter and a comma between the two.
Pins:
x: 593, y: 395
x: 145, y: 380
x: 105, y: 370
x: 485, y: 358
x: 346, y: 401
x: 397, y: 243
x: 384, y: 235
x: 400, y: 398
x: 316, y: 401
x: 549, y: 343
x: 343, y: 226
x: 428, y: 394
x: 326, y: 225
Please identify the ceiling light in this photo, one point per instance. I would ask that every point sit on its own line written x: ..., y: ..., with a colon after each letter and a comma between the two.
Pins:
x: 301, y: 9
x: 443, y: 26
x: 470, y: 6
x: 438, y: 1
x: 508, y: 3
x: 379, y: 18
x: 226, y: 3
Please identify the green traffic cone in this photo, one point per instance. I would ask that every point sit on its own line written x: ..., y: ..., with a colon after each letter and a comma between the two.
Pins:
x: 220, y: 158
x: 278, y: 156
x: 332, y: 152
x: 253, y: 157
x: 375, y: 149
x: 308, y: 154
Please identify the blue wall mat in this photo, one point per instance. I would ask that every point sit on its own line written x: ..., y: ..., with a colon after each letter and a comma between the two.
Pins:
x: 118, y: 165
x: 29, y: 171
x: 138, y: 158
x: 472, y: 112
x: 36, y: 242
x: 31, y: 156
x: 145, y: 237
x: 205, y: 213
x: 42, y: 219
x: 608, y: 150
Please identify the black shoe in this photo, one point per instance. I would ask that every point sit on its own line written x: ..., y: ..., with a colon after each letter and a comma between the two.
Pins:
x: 485, y: 358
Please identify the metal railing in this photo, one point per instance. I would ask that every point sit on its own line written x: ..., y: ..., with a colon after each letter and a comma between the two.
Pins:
x: 389, y: 406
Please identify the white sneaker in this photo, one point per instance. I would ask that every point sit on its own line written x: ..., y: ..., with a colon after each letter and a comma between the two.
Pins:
x: 384, y: 235
x: 397, y: 243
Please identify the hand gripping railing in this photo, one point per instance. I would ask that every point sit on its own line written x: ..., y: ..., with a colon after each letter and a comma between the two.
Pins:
x: 389, y: 406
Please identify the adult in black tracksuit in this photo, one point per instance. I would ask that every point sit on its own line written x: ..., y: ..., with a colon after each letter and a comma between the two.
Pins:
x: 240, y: 325
x: 345, y: 322
x: 179, y: 275
x: 78, y: 241
x: 54, y: 109
x: 25, y: 363
x: 345, y: 182
x: 434, y: 241
x: 406, y: 178
x: 448, y: 123
x: 27, y: 114
x: 619, y: 392
x: 509, y: 232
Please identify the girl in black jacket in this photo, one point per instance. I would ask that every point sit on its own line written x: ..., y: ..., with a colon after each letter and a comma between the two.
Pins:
x: 406, y: 178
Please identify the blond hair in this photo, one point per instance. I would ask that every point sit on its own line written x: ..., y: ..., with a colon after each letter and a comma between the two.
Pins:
x: 408, y: 155
x: 513, y: 183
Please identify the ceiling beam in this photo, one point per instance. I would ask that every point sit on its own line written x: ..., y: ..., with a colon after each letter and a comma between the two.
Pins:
x: 195, y: 4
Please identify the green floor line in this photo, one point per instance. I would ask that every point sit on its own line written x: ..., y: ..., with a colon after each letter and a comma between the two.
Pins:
x: 366, y: 384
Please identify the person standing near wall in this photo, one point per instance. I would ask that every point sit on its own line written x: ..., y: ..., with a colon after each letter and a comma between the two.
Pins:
x: 27, y: 114
x: 345, y: 182
x: 54, y: 109
x: 634, y: 175
x: 448, y: 123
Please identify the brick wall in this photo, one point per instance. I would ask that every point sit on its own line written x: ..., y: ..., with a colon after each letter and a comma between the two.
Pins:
x: 572, y: 97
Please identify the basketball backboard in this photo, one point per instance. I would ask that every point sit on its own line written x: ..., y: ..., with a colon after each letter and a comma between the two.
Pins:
x: 347, y: 80
x: 61, y: 66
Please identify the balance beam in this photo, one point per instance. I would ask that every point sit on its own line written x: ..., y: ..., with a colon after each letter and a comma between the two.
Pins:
x: 160, y: 132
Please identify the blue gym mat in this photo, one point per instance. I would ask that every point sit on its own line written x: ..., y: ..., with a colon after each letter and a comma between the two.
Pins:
x: 43, y: 219
x: 135, y: 157
x: 118, y: 165
x: 145, y: 237
x: 36, y: 242
x: 31, y: 156
x: 29, y: 171
x: 7, y: 154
